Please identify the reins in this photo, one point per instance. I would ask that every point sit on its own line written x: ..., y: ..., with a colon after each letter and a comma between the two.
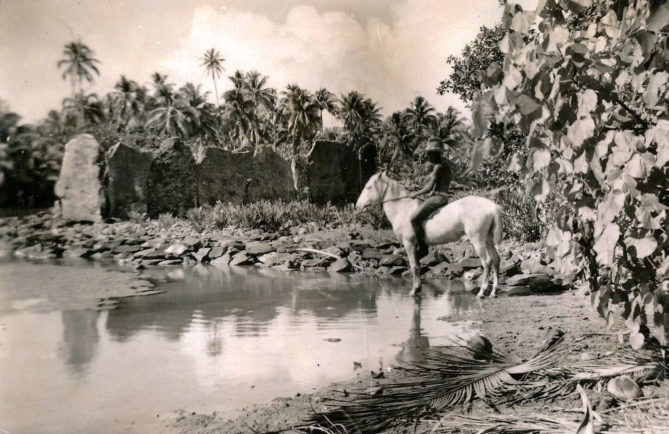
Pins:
x: 381, y: 202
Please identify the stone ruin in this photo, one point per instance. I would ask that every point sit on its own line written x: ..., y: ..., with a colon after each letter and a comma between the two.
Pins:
x: 94, y: 184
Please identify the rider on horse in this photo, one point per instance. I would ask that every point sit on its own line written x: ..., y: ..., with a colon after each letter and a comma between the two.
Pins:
x: 436, y: 189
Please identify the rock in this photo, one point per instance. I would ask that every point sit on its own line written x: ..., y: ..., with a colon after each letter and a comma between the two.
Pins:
x: 176, y: 249
x: 440, y: 268
x: 431, y: 259
x: 391, y: 260
x: 509, y: 268
x: 397, y: 270
x: 472, y: 274
x: 240, y: 177
x: 222, y: 260
x: 202, y: 254
x: 637, y: 340
x: 75, y: 252
x: 216, y: 252
x: 127, y: 188
x: 587, y: 356
x: 241, y: 258
x: 536, y: 282
x: 79, y: 185
x: 371, y: 253
x: 332, y: 173
x: 469, y: 263
x: 191, y: 242
x: 340, y: 266
x: 334, y: 250
x: 316, y: 262
x: 624, y: 388
x: 480, y: 346
x: 170, y: 262
x: 258, y: 248
x: 172, y: 184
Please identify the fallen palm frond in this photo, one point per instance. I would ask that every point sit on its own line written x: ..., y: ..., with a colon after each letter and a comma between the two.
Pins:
x: 555, y: 383
x: 457, y: 374
x: 447, y: 377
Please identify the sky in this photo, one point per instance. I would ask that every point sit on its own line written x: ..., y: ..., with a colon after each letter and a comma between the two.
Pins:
x: 391, y: 50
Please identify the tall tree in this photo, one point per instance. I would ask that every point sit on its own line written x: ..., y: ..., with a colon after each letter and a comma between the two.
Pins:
x: 302, y: 114
x: 420, y: 116
x: 476, y: 57
x: 326, y: 101
x: 212, y: 61
x: 256, y: 90
x: 360, y: 115
x: 79, y: 64
x: 129, y: 102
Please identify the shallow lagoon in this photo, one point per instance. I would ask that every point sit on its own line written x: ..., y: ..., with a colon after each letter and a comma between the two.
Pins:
x: 214, y: 340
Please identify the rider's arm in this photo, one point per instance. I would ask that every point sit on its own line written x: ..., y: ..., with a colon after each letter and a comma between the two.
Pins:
x: 431, y: 182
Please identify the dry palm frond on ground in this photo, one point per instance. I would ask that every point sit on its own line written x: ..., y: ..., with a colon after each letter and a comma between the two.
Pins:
x: 455, y: 375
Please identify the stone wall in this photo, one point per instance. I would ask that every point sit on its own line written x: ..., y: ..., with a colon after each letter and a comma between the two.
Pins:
x: 333, y: 173
x: 241, y: 177
x: 79, y: 187
x: 128, y: 175
x: 172, y: 183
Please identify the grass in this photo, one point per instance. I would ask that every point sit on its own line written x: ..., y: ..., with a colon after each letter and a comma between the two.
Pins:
x: 281, y: 217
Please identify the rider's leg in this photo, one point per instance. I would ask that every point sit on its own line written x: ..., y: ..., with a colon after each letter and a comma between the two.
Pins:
x: 418, y: 220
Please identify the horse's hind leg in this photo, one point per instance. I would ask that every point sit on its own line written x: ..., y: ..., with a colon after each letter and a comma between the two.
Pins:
x: 486, y: 261
x: 492, y: 253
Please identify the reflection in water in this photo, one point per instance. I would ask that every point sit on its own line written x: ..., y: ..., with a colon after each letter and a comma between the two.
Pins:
x: 80, y: 338
x: 414, y: 348
x: 215, y: 340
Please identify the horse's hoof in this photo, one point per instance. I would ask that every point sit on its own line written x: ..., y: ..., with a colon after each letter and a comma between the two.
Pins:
x: 415, y: 292
x: 480, y: 295
x: 493, y: 295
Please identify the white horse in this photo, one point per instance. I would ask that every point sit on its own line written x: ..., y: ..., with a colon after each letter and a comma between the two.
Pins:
x: 476, y: 217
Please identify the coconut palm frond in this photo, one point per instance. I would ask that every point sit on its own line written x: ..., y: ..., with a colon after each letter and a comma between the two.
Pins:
x: 447, y: 377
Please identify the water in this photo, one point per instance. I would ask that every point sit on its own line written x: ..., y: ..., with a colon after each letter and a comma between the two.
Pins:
x: 216, y: 340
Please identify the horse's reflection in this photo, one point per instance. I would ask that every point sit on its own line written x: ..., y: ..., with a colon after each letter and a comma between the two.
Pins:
x: 414, y: 348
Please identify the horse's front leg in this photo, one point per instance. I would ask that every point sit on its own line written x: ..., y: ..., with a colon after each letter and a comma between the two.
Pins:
x: 414, y: 263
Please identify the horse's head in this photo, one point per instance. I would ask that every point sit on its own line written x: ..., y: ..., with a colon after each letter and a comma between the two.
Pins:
x: 373, y: 191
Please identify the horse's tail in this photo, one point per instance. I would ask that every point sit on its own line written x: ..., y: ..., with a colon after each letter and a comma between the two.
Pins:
x: 496, y: 229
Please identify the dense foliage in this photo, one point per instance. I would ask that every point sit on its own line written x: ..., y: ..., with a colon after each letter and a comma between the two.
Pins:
x: 592, y: 99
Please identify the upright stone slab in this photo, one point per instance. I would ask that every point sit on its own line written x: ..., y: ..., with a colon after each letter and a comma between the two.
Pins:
x: 127, y: 189
x: 272, y: 178
x: 224, y: 176
x: 238, y: 178
x: 79, y: 186
x: 172, y: 183
x: 368, y: 162
x: 333, y: 173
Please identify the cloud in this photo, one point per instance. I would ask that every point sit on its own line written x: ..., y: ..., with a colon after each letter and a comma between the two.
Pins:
x: 391, y: 60
x: 391, y: 50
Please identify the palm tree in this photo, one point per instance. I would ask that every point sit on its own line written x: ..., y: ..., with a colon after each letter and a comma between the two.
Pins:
x: 79, y: 63
x: 84, y: 109
x: 449, y: 129
x: 254, y: 85
x: 240, y: 115
x: 420, y: 115
x: 212, y: 61
x: 361, y: 117
x: 302, y: 114
x: 128, y: 102
x: 326, y: 100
